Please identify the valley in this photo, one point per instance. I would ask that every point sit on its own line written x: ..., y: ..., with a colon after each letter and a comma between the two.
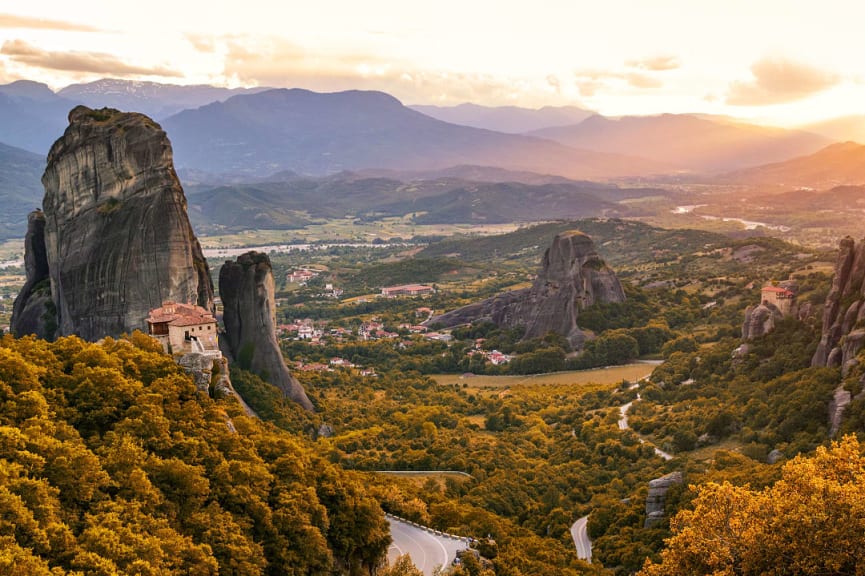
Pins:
x: 554, y: 332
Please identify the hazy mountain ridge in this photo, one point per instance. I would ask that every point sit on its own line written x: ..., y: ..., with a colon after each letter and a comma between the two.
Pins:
x: 152, y: 98
x: 508, y: 119
x: 293, y: 202
x: 842, y: 163
x: 32, y: 117
x: 321, y: 133
x: 686, y: 141
x: 20, y: 189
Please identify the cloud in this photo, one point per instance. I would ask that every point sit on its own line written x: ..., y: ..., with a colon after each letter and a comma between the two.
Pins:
x: 206, y: 44
x: 21, y: 52
x: 638, y: 80
x: 778, y: 80
x: 656, y: 63
x: 13, y: 21
x: 272, y: 61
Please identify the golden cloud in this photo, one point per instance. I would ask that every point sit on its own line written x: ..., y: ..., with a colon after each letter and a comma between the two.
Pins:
x: 656, y: 63
x: 14, y: 21
x: 22, y: 52
x: 778, y: 80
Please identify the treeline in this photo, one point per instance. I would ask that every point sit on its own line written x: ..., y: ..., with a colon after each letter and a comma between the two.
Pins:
x: 112, y: 463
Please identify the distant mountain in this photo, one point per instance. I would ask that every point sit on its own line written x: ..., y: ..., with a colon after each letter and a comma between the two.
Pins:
x: 316, y: 133
x: 835, y: 165
x: 152, y: 98
x: 294, y: 201
x: 20, y: 189
x: 32, y: 117
x: 686, y: 141
x: 842, y: 129
x: 471, y: 173
x: 509, y: 119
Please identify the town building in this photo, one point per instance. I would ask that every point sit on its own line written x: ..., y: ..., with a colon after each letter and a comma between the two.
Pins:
x: 301, y: 276
x: 184, y: 328
x: 407, y: 290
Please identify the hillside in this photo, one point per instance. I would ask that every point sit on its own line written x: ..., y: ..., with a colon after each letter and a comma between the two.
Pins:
x: 151, y: 98
x: 686, y: 141
x: 838, y: 164
x: 20, y: 189
x: 841, y: 129
x: 293, y: 201
x: 323, y: 133
x: 508, y: 119
x: 114, y: 464
x: 32, y: 117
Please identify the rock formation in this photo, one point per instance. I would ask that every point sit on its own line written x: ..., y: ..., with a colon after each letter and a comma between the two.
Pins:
x: 572, y: 278
x: 656, y: 499
x: 117, y: 237
x: 760, y: 320
x: 246, y: 288
x: 34, y: 311
x: 843, y: 334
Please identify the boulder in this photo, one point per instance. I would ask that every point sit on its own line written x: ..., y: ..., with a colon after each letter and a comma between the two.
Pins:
x: 33, y: 311
x: 843, y: 309
x: 760, y: 320
x: 246, y: 287
x: 117, y: 238
x: 657, y: 497
x: 572, y: 278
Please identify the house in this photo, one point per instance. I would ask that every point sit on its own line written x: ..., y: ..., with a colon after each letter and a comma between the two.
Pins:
x: 407, y: 290
x: 301, y: 276
x: 184, y: 328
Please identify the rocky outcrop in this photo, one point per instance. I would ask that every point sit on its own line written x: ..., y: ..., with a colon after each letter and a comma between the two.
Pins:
x: 246, y: 288
x: 117, y: 236
x: 572, y: 278
x: 840, y: 400
x: 760, y: 320
x: 33, y: 311
x: 843, y: 336
x: 656, y: 499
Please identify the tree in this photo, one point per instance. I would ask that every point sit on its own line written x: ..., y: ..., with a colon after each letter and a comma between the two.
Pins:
x: 809, y: 522
x: 402, y: 567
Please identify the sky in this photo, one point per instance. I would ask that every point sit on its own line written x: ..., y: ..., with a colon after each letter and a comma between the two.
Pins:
x: 784, y: 62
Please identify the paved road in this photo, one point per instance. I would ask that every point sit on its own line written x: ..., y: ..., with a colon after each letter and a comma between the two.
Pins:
x: 426, y: 550
x: 623, y: 425
x: 581, y: 539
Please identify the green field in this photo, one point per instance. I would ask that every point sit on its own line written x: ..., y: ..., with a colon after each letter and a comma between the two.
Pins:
x: 610, y: 375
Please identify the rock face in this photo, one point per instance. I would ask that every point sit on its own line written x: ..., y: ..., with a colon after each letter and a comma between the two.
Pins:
x: 247, y: 291
x: 572, y: 278
x: 657, y: 497
x: 760, y: 320
x: 34, y: 311
x: 843, y: 333
x: 117, y: 237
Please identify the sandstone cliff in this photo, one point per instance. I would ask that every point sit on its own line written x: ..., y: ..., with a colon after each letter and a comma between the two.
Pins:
x: 760, y: 320
x: 246, y: 288
x: 117, y: 237
x: 572, y: 278
x: 34, y: 311
x: 656, y: 499
x: 843, y: 334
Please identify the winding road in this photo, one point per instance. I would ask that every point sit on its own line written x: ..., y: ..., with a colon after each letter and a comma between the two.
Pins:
x: 623, y: 425
x: 581, y: 538
x: 426, y: 549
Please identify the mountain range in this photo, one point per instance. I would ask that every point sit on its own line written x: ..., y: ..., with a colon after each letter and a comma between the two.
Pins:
x: 839, y: 164
x: 317, y: 134
x: 508, y: 119
x: 20, y: 189
x: 687, y: 142
x: 152, y: 98
x: 295, y: 201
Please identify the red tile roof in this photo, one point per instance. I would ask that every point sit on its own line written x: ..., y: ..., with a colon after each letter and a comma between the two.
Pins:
x: 176, y: 314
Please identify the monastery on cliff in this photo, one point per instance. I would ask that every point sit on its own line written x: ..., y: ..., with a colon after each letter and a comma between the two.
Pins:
x: 184, y: 328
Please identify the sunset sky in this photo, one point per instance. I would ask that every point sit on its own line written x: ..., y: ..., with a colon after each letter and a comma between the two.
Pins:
x: 781, y: 61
